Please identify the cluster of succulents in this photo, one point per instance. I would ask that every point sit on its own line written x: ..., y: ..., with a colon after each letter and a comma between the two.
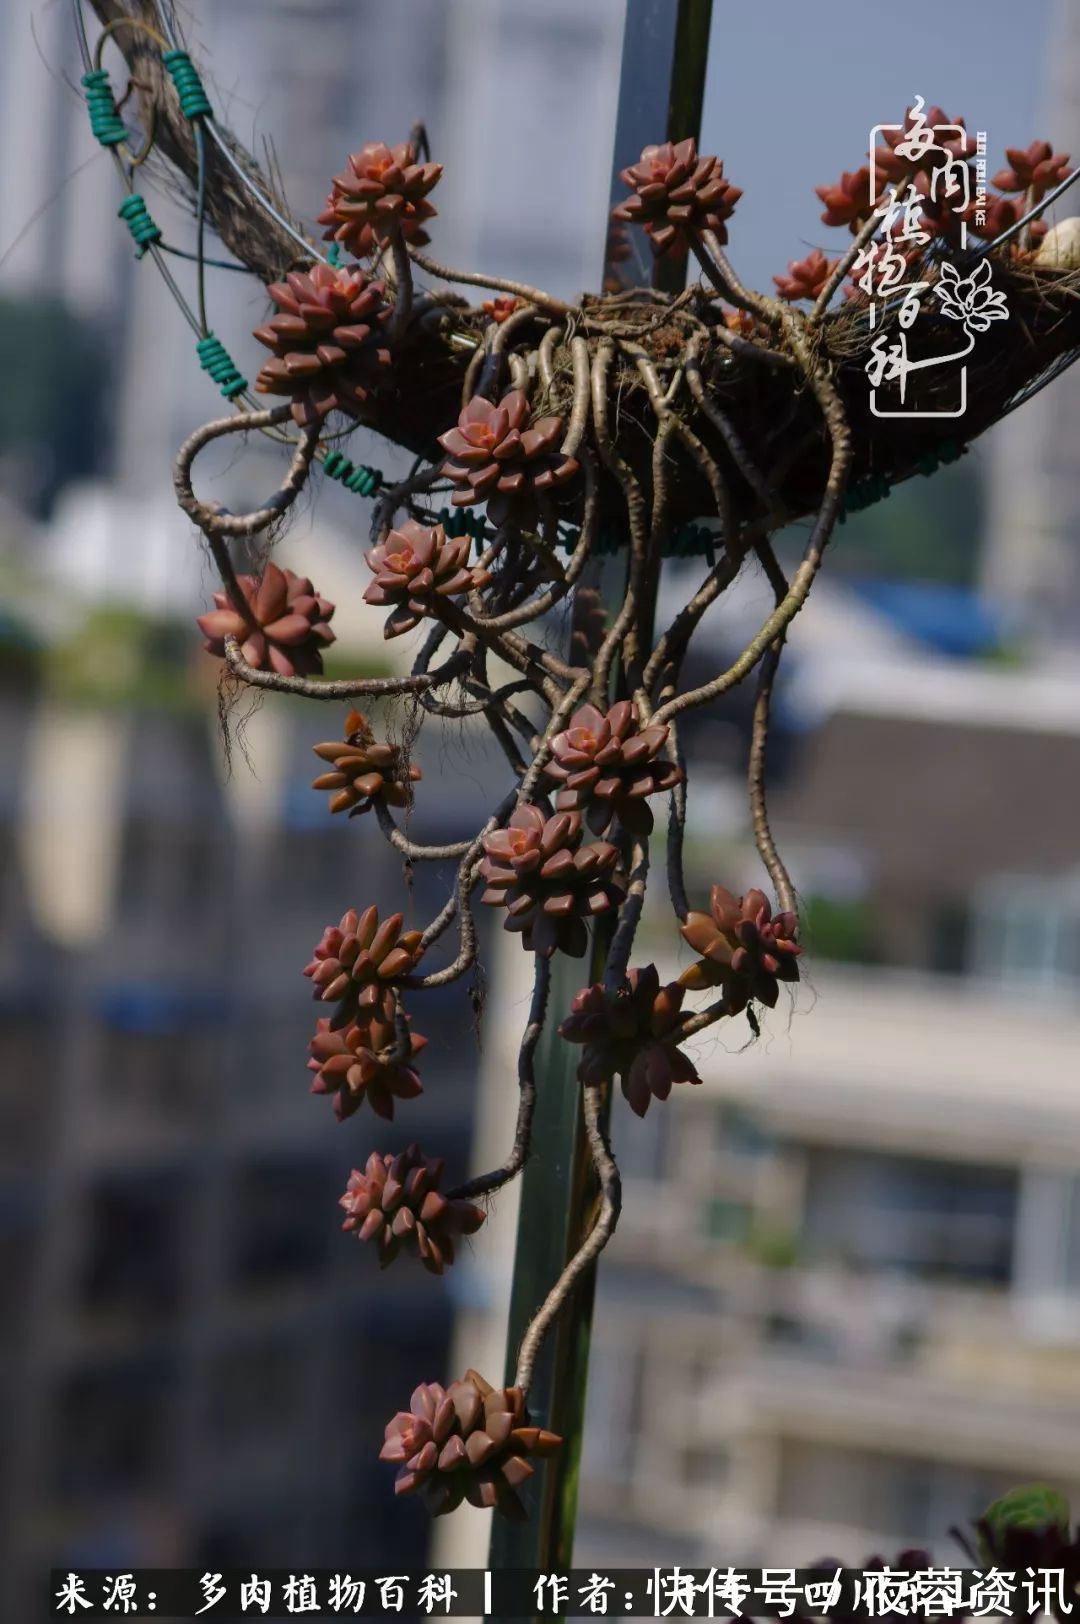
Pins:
x: 548, y: 882
x: 806, y: 277
x: 369, y: 1059
x: 675, y: 195
x: 382, y: 191
x: 362, y: 771
x: 415, y: 566
x: 284, y: 626
x: 469, y: 1441
x: 745, y: 949
x: 632, y: 1034
x: 497, y: 456
x: 329, y: 347
x: 396, y: 1202
x: 609, y: 767
x: 359, y: 963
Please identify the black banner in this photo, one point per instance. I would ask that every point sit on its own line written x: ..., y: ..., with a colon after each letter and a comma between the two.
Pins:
x: 808, y: 1595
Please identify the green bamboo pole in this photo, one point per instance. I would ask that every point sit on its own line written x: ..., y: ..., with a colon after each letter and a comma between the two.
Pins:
x: 665, y: 47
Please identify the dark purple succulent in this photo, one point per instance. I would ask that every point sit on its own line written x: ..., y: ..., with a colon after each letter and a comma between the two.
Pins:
x: 632, y: 1034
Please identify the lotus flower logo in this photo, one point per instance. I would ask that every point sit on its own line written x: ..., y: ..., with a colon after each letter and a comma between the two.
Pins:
x: 970, y: 299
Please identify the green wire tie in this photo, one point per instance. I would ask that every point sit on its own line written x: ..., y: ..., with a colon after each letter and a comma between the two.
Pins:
x: 105, y: 120
x: 358, y: 477
x: 136, y: 216
x: 215, y: 359
x: 876, y: 487
x: 194, y: 102
x: 463, y: 521
x: 333, y: 255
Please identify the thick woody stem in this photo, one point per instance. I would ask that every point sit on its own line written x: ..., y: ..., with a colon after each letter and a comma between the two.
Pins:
x: 488, y: 1183
x: 759, y: 739
x: 501, y: 284
x: 347, y: 687
x: 215, y: 520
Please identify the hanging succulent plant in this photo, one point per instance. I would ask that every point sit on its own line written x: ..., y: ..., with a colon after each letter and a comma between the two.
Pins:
x: 330, y: 351
x: 469, y: 1441
x: 382, y: 190
x: 285, y: 626
x: 396, y: 1203
x: 370, y: 1059
x: 363, y: 772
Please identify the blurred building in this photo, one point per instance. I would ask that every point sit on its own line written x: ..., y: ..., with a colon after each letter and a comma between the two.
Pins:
x: 842, y: 1310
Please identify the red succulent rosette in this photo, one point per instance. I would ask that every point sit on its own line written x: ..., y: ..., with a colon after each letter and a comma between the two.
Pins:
x: 285, y: 628
x: 537, y: 869
x: 328, y: 341
x: 848, y: 201
x: 608, y: 767
x: 632, y: 1034
x: 358, y: 963
x: 363, y: 1061
x: 1034, y: 170
x: 806, y: 278
x: 495, y: 455
x: 499, y: 309
x: 469, y: 1441
x: 744, y: 948
x: 415, y: 566
x: 676, y: 194
x: 381, y: 191
x: 396, y: 1202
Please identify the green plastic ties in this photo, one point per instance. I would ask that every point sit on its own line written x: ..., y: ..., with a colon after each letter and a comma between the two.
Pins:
x: 194, y: 102
x: 215, y: 359
x: 105, y: 120
x: 137, y: 218
x: 357, y: 477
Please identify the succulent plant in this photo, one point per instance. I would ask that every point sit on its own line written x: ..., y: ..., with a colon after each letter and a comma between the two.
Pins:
x: 1036, y: 169
x: 548, y: 882
x: 633, y: 1035
x: 609, y: 768
x: 470, y: 1441
x: 363, y: 771
x: 327, y: 339
x: 848, y: 201
x: 414, y: 565
x: 381, y: 191
x: 357, y: 964
x: 361, y: 1062
x: 744, y: 948
x: 396, y: 1203
x: 496, y: 456
x: 286, y: 627
x: 676, y: 194
x: 806, y: 277
x: 500, y: 308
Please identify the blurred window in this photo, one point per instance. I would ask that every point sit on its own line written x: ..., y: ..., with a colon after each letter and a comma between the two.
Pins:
x: 133, y: 1233
x: 283, y: 1219
x: 1028, y: 932
x: 932, y: 1219
x: 113, y: 1429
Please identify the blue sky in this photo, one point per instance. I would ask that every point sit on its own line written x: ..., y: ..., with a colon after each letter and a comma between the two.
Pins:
x: 794, y: 89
